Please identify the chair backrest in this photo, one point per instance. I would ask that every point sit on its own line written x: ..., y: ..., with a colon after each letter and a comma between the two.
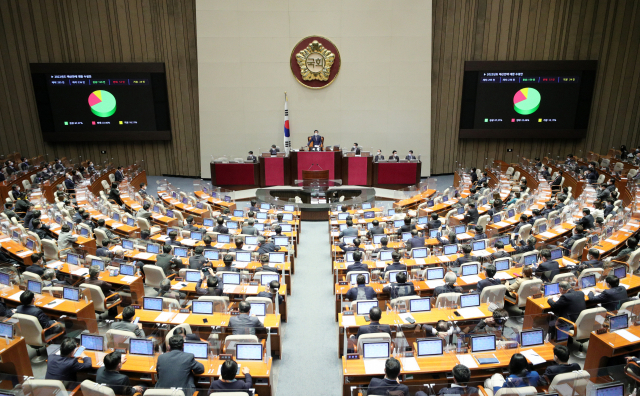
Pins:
x: 50, y: 249
x: 524, y: 232
x: 572, y: 383
x: 493, y: 294
x: 600, y: 179
x: 172, y: 303
x: 527, y: 289
x: 577, y: 248
x: 185, y: 326
x: 632, y: 173
x: 586, y: 322
x: 509, y: 171
x: 26, y: 184
x: 100, y: 236
x: 632, y: 307
x: 634, y: 260
x: 220, y: 303
x: 40, y: 387
x: 447, y: 299
x: 523, y: 391
x: 96, y: 295
x: 90, y: 388
x: 348, y: 278
x: 30, y: 329
x: 265, y: 300
x: 86, y: 227
x: 112, y: 177
x: 371, y: 338
x: 562, y: 277
x: 231, y: 341
x: 403, y: 302
x: 605, y: 163
x: 112, y: 334
x: 618, y: 167
x: 537, y: 223
x: 450, y: 213
x: 164, y: 392
x: 483, y: 221
x: 28, y: 275
x: 591, y: 271
x: 516, y: 175
x: 153, y: 275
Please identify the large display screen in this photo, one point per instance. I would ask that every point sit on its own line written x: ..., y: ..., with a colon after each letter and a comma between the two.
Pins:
x: 101, y: 101
x: 526, y: 99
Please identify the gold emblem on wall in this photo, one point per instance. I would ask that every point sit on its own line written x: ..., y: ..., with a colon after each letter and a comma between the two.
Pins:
x: 315, y: 62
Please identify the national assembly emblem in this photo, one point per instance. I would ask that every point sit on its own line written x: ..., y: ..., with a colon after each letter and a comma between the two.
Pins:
x: 315, y: 62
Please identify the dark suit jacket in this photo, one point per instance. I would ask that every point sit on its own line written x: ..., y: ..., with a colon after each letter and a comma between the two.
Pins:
x: 459, y: 390
x: 175, y: 370
x: 357, y: 266
x: 446, y: 289
x: 487, y: 282
x: 472, y: 215
x: 37, y: 312
x: 235, y: 385
x: 374, y: 327
x: 352, y: 294
x: 268, y: 247
x: 610, y: 298
x: 252, y: 158
x: 586, y: 221
x: 556, y: 369
x: 416, y: 242
x: 197, y: 261
x: 550, y: 265
x: 114, y: 194
x: 167, y: 263
x: 394, y: 158
x: 104, y: 286
x: 116, y: 381
x: 569, y: 305
x: 69, y: 184
x: 244, y: 324
x: 571, y: 240
x: 498, y: 254
x: 434, y: 224
x: 396, y: 290
x: 464, y: 259
x: 221, y: 229
x: 64, y: 368
x: 379, y: 386
x: 378, y: 157
x: 119, y: 176
x: 375, y: 231
x: 395, y: 266
x: 36, y: 269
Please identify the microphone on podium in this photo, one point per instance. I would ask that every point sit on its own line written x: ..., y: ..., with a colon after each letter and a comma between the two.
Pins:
x: 310, y: 167
x: 320, y: 167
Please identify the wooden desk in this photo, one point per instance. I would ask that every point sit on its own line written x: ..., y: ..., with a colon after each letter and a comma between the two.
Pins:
x: 88, y: 244
x: 432, y: 369
x: 608, y: 345
x: 119, y: 228
x: 14, y: 358
x: 396, y: 175
x: 215, y: 202
x: 81, y: 311
x: 188, y: 210
x: 217, y: 319
x: 413, y: 202
x: 15, y: 249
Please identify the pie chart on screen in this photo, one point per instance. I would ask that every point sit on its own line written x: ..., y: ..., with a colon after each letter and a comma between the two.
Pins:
x: 102, y: 103
x: 526, y: 101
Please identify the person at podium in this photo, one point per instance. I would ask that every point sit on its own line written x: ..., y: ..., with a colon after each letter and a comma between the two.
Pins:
x: 410, y: 156
x: 315, y: 141
x: 273, y: 150
x: 394, y: 156
x: 379, y: 156
x: 356, y: 148
x: 252, y: 157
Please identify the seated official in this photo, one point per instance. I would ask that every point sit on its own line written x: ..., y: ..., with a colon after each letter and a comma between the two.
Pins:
x: 228, y: 382
x: 547, y: 269
x: 228, y: 262
x: 207, y: 243
x: 569, y: 304
x: 535, y: 215
x: 524, y: 220
x: 180, y: 331
x: 548, y: 208
x: 63, y: 367
x: 410, y: 156
x: 395, y: 265
x: 191, y: 225
x: 461, y: 376
x: 527, y: 275
x: 519, y: 375
x: 466, y: 257
x: 379, y: 156
x: 434, y: 223
x: 497, y: 323
x: 623, y: 255
x: 357, y: 265
x: 250, y: 228
x: 37, y: 264
x: 416, y: 241
x: 213, y: 284
x: 587, y: 221
x: 252, y: 157
x: 9, y: 212
x: 472, y: 215
x: 173, y: 239
x: 114, y: 194
x: 374, y: 326
x: 266, y: 247
x: 272, y: 292
x: 27, y: 308
x: 375, y: 230
x: 239, y: 242
x: 119, y: 175
x: 315, y: 141
x: 126, y: 324
x: 407, y: 226
x: 450, y: 279
x: 592, y: 261
x: 349, y: 231
x: 273, y: 150
x: 39, y: 230
x: 489, y: 271
x: 361, y: 291
x: 145, y: 213
x: 220, y: 228
x: 109, y: 375
x: 401, y: 288
x: 610, y: 298
x: 561, y: 358
x: 167, y: 261
x: 384, y: 241
x: 264, y: 260
x: 499, y: 253
x: 390, y: 381
x: 394, y: 156
x: 106, y: 287
x: 197, y: 261
x: 578, y: 233
x: 244, y: 323
x: 356, y: 246
x: 110, y: 235
x: 355, y: 148
x: 66, y: 238
x: 176, y: 368
x: 525, y: 246
x: 479, y: 233
x: 166, y: 291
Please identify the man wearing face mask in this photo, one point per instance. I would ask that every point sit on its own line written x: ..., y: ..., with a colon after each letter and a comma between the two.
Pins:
x: 497, y: 323
x: 378, y: 156
x: 394, y: 156
x: 315, y: 141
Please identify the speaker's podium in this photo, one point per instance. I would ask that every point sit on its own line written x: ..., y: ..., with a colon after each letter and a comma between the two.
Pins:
x: 315, y: 175
x: 329, y: 162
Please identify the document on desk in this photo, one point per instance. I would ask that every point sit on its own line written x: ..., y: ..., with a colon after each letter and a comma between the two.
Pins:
x: 420, y: 261
x: 53, y: 264
x: 129, y: 278
x: 471, y: 312
x: 533, y: 357
x: 348, y: 321
x: 219, y: 245
x: 501, y: 224
x: 471, y: 278
x: 503, y: 275
x: 434, y: 283
x: 547, y: 234
x: 54, y: 303
x: 164, y: 316
x: 251, y: 289
x: 240, y: 264
x: 229, y: 289
x: 143, y: 256
x: 179, y: 286
x: 179, y: 318
x: 374, y: 366
x: 468, y: 361
x: 406, y: 316
x: 481, y: 253
x: 381, y: 264
x: 16, y: 296
x: 163, y: 238
x: 81, y: 272
x: 612, y: 241
x: 627, y: 336
x: 410, y: 364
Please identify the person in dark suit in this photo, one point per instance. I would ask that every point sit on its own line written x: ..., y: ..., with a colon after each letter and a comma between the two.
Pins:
x: 608, y: 208
x: 273, y: 150
x: 38, y: 229
x: 213, y: 284
x: 272, y: 292
x: 489, y: 271
x: 611, y: 185
x: 401, y: 288
x: 361, y: 291
x: 374, y: 326
x: 58, y: 166
x: 602, y: 192
x: 356, y: 149
x: 244, y: 323
x: 548, y: 208
x: 197, y: 261
x: 190, y: 225
x: 434, y: 222
x: 357, y: 265
x: 109, y: 375
x: 410, y: 156
x: 593, y: 261
x: 525, y: 246
x: 10, y: 168
x: 220, y: 228
x: 461, y: 376
x: 119, y: 175
x: 449, y: 285
x: 407, y: 226
x: 63, y: 367
x: 545, y: 173
x: 547, y: 265
x: 578, y: 233
x: 561, y: 357
x: 173, y: 238
x: 499, y: 253
x: 69, y: 184
x: 378, y: 156
x: 94, y: 273
x: 252, y: 157
x: 315, y: 141
x: 592, y: 174
x: 36, y: 266
x: 479, y: 233
x: 416, y: 241
x: 395, y: 265
x: 612, y: 297
x: 8, y: 211
x: 555, y: 184
x: 466, y: 257
x: 524, y: 220
x: 623, y: 255
x: 535, y: 215
x: 349, y: 231
x: 375, y: 230
x: 227, y: 381
x: 472, y: 215
x: 114, y: 194
x: 264, y: 260
x: 587, y: 220
x: 167, y: 261
x: 143, y: 190
x: 390, y: 381
x: 228, y: 262
x: 176, y: 368
x: 394, y: 156
x: 569, y: 304
x: 266, y: 247
x: 355, y: 247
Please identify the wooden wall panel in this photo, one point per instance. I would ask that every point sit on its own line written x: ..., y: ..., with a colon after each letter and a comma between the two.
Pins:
x: 603, y: 30
x: 101, y: 31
